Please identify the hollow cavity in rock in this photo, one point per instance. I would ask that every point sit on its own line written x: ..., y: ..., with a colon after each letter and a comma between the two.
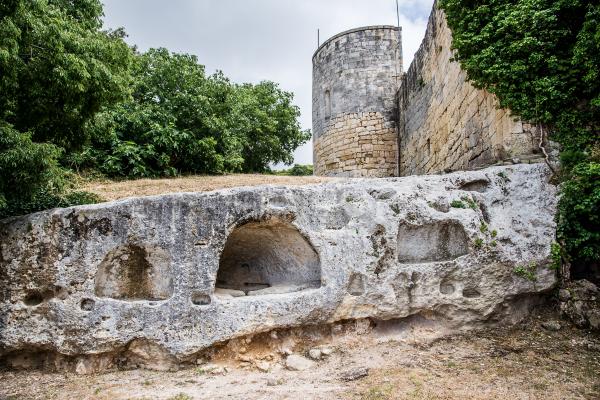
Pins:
x: 433, y: 241
x: 133, y: 272
x: 268, y: 257
x: 479, y: 185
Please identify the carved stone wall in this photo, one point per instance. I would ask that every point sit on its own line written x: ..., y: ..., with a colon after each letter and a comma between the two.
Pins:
x: 446, y: 124
x: 154, y: 281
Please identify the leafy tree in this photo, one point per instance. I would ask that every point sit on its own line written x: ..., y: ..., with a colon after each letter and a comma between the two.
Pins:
x: 174, y: 122
x: 181, y: 121
x: 267, y: 121
x: 542, y: 60
x: 25, y: 166
x: 297, y: 170
x: 57, y: 69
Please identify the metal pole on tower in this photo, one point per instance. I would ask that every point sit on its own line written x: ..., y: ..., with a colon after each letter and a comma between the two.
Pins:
x: 398, y: 13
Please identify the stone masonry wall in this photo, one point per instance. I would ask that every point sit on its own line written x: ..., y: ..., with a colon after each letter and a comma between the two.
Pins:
x: 446, y: 124
x: 355, y: 80
x: 358, y: 144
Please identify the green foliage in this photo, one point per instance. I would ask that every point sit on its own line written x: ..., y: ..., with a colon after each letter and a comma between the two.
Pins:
x: 457, y: 204
x: 181, y: 121
x: 478, y: 243
x: 472, y: 204
x: 57, y: 68
x: 579, y: 213
x: 541, y: 58
x: 25, y: 167
x: 266, y: 122
x: 297, y: 170
x: 527, y: 271
x: 172, y: 123
x: 46, y: 198
x: 556, y: 255
x: 465, y: 202
x: 483, y: 228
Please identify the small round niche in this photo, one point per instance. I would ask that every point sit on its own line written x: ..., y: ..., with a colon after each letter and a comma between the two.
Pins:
x: 267, y: 257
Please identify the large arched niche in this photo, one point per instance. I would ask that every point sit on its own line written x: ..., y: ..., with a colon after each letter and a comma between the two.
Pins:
x: 267, y: 257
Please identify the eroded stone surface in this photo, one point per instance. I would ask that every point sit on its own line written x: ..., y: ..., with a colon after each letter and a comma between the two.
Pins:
x: 53, y: 263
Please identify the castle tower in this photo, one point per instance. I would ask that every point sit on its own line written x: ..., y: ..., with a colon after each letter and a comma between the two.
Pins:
x: 355, y: 79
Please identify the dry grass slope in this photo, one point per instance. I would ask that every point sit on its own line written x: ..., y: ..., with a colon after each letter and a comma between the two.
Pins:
x: 115, y: 190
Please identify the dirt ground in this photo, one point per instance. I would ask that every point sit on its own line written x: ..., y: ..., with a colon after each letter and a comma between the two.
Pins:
x: 114, y: 190
x: 526, y: 361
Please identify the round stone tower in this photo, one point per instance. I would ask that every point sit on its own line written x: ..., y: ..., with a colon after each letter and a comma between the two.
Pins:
x: 355, y: 80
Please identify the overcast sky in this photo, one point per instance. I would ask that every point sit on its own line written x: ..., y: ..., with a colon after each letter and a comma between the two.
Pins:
x: 254, y: 40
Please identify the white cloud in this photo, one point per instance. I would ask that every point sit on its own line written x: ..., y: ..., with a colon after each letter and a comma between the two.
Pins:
x: 256, y: 40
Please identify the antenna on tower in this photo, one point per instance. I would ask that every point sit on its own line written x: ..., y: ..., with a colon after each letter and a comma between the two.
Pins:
x: 398, y: 13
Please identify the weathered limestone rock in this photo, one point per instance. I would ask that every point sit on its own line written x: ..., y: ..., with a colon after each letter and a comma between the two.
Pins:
x: 580, y: 302
x: 139, y: 278
x: 298, y: 363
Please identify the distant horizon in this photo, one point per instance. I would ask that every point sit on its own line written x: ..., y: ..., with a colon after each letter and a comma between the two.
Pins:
x: 278, y: 40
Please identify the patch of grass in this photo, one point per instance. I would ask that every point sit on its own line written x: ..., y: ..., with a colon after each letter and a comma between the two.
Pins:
x: 148, y: 382
x: 527, y: 271
x: 380, y: 392
x: 457, y: 204
x: 478, y: 243
x: 483, y: 228
x: 493, y: 243
x: 417, y: 393
x: 494, y: 233
x: 470, y: 202
x: 181, y: 396
x: 97, y: 391
x: 465, y: 202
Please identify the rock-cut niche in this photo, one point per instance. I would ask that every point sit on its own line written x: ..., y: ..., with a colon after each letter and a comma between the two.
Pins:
x: 267, y: 257
x: 133, y: 272
x: 432, y: 241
